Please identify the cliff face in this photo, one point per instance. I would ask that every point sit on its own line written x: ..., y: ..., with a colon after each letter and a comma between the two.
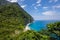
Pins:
x: 9, y: 11
x: 12, y: 19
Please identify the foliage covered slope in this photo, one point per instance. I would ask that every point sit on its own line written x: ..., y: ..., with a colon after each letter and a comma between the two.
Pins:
x: 13, y: 19
x: 52, y: 33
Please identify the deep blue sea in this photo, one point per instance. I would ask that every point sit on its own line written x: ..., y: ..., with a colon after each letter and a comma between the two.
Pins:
x: 37, y: 25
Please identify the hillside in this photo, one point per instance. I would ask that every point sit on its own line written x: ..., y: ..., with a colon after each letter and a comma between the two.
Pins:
x: 13, y: 19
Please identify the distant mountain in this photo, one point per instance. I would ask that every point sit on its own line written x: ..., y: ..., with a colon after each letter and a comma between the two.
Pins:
x: 13, y: 20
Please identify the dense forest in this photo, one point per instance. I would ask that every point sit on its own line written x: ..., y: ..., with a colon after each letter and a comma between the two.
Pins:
x: 13, y: 20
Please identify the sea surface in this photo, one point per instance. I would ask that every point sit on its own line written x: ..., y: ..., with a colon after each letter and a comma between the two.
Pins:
x: 38, y: 25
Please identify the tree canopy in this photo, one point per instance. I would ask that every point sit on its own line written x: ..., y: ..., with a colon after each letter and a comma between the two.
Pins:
x: 13, y: 20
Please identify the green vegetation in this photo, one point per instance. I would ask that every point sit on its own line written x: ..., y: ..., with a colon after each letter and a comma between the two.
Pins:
x: 32, y: 35
x: 13, y: 20
x: 49, y: 34
x: 54, y: 28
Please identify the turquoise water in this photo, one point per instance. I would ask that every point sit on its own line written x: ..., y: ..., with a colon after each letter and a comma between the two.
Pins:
x: 40, y: 24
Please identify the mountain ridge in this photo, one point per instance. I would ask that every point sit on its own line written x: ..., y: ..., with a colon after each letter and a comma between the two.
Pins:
x: 13, y: 20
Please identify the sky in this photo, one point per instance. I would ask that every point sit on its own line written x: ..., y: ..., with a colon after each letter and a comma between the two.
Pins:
x: 41, y: 9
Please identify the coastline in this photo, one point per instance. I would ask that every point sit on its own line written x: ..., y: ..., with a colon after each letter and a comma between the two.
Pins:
x: 27, y: 27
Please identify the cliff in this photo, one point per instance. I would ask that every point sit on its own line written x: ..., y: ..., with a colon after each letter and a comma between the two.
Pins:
x: 12, y: 19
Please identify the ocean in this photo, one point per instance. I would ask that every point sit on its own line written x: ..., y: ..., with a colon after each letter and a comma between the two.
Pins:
x: 38, y: 25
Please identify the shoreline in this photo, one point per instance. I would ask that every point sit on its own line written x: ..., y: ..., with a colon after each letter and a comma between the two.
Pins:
x: 27, y: 27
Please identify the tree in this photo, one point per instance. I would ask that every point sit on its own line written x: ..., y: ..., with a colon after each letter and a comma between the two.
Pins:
x: 54, y: 27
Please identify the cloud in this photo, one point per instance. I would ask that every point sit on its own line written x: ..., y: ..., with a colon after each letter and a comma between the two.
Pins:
x: 49, y: 13
x: 12, y: 0
x: 45, y: 7
x: 53, y: 1
x: 56, y: 6
x: 39, y: 1
x: 23, y: 6
x: 47, y: 17
x: 38, y: 5
x: 22, y: 0
x: 35, y: 7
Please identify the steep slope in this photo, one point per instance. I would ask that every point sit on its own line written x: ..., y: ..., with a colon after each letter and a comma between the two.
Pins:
x: 12, y: 20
